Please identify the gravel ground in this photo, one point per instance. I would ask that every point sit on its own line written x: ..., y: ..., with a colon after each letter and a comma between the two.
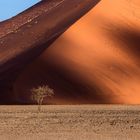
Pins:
x: 79, y: 122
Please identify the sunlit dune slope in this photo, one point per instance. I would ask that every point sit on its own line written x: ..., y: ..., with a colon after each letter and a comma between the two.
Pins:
x: 95, y: 61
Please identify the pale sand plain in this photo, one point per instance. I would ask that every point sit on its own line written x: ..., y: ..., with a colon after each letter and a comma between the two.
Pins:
x: 73, y: 122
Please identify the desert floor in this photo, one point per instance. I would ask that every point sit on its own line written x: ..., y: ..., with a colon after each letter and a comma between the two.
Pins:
x: 79, y: 122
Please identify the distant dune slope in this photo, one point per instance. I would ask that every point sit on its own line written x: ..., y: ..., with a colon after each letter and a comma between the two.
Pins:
x: 95, y: 61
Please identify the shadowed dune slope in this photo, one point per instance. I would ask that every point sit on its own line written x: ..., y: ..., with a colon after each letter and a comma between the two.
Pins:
x: 95, y: 61
x: 25, y: 36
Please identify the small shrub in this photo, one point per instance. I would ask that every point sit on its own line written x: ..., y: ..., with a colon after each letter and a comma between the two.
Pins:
x: 39, y: 93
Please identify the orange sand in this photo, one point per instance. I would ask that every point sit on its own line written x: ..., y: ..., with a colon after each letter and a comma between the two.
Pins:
x: 95, y: 61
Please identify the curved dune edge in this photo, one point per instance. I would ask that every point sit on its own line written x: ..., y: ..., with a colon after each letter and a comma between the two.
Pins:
x: 95, y: 61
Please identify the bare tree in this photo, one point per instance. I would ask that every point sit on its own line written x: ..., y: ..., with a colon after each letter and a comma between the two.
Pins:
x: 39, y: 93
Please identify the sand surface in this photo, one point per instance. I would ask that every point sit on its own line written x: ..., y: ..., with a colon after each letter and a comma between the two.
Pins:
x: 95, y: 61
x: 81, y: 122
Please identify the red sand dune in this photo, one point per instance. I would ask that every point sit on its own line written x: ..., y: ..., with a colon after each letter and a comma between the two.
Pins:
x: 27, y: 35
x: 95, y: 61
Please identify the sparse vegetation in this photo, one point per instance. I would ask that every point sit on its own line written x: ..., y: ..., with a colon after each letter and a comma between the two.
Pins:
x: 39, y: 93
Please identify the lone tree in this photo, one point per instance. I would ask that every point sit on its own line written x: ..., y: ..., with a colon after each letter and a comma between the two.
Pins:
x: 39, y: 93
